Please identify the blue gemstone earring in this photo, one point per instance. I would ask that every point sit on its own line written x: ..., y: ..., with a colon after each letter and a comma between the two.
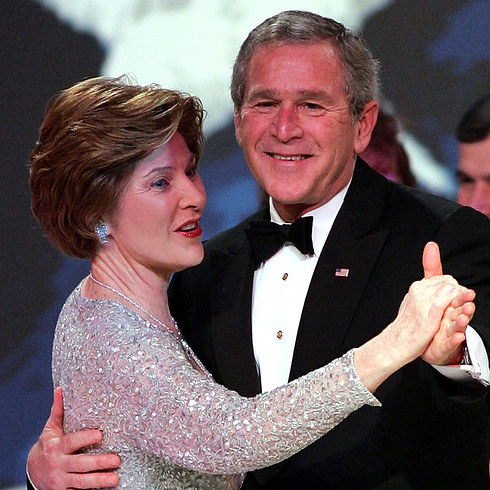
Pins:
x: 101, y: 230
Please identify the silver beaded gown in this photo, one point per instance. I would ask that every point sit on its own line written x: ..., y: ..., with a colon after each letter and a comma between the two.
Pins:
x: 172, y: 425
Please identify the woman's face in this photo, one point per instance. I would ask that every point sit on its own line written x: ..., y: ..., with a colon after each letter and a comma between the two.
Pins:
x: 156, y: 222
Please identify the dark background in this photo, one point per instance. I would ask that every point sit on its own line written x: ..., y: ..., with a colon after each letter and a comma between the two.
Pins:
x: 436, y: 62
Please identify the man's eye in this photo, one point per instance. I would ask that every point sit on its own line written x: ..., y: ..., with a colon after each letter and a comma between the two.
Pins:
x: 464, y: 179
x: 192, y: 172
x: 264, y: 103
x: 312, y: 106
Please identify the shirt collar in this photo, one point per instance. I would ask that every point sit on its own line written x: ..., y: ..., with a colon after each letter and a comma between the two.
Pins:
x: 323, y: 217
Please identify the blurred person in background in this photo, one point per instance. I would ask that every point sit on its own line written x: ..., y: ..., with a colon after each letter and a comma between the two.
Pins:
x: 386, y: 154
x: 473, y: 172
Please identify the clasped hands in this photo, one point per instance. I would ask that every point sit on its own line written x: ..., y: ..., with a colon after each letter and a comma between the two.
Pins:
x: 448, y: 344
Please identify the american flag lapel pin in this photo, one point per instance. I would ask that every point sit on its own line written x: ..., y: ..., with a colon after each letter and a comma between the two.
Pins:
x: 339, y: 272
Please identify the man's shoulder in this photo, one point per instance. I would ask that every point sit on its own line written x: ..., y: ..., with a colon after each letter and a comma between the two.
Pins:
x: 415, y: 200
x: 374, y: 187
x: 374, y: 202
x: 415, y: 204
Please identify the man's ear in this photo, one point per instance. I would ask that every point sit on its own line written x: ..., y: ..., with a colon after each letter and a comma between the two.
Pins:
x: 238, y: 125
x: 365, y: 125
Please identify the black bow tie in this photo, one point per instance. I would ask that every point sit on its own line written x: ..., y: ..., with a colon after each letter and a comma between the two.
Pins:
x: 267, y: 238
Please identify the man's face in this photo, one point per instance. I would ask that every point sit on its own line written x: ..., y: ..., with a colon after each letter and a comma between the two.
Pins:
x: 295, y: 125
x: 474, y: 175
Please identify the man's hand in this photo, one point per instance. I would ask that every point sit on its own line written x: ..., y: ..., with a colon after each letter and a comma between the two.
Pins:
x: 53, y: 465
x: 448, y: 343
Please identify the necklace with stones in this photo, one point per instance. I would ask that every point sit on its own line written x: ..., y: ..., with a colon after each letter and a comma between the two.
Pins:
x: 174, y: 329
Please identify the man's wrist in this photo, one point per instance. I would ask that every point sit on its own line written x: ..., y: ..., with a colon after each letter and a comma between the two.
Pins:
x: 460, y: 358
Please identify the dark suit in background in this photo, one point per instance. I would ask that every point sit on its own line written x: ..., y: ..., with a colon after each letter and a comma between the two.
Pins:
x: 430, y: 432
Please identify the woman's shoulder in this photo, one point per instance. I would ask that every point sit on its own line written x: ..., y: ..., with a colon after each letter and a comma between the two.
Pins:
x: 100, y: 320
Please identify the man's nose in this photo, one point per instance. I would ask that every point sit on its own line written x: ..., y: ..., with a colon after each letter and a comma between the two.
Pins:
x: 287, y: 124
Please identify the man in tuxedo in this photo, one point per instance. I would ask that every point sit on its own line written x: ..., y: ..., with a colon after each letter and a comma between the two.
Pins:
x: 304, y: 94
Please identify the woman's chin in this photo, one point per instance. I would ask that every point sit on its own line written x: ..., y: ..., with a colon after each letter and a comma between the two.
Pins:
x: 196, y: 259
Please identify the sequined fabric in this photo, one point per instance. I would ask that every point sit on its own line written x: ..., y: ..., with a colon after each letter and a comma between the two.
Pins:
x: 173, y: 426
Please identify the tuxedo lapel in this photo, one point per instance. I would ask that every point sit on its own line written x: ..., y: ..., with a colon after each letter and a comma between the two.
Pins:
x: 353, y: 244
x: 231, y: 322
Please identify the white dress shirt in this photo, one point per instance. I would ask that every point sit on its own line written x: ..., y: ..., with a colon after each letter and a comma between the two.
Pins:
x: 279, y: 291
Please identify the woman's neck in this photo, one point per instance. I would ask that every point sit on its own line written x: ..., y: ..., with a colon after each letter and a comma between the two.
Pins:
x: 138, y: 288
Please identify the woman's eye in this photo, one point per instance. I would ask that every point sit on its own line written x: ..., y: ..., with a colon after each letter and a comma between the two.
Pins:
x: 160, y: 184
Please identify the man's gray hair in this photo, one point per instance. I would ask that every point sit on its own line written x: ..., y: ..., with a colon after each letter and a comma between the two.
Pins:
x: 295, y: 26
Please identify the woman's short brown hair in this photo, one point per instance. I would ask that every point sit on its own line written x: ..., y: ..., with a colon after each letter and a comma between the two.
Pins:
x: 92, y: 136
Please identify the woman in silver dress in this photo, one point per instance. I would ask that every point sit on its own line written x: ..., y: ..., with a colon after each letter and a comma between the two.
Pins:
x: 114, y: 179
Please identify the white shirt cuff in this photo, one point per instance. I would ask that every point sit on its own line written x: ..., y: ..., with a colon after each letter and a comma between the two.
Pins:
x: 29, y: 478
x: 478, y: 369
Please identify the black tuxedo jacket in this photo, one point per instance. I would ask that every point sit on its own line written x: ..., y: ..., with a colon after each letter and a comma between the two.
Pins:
x: 431, y: 432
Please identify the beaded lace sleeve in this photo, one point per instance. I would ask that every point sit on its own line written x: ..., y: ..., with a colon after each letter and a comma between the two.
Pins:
x: 130, y: 377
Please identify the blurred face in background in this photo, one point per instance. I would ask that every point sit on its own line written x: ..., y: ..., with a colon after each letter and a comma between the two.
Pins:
x: 474, y: 175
